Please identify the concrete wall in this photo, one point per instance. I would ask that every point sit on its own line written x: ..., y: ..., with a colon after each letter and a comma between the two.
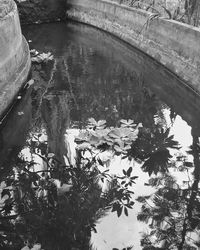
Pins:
x: 14, y: 55
x: 175, y: 45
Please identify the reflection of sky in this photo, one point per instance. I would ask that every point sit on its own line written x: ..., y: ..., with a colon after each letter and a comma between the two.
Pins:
x: 126, y: 231
x: 96, y: 70
x: 114, y: 232
x: 182, y: 133
x: 179, y: 128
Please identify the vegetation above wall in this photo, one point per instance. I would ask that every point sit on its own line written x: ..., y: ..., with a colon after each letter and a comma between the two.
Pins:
x: 186, y: 11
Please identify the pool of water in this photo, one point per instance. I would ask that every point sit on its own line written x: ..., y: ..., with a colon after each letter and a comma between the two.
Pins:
x: 60, y: 191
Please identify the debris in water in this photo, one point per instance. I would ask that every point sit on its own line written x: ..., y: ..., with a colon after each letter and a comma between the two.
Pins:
x: 20, y: 113
x: 29, y: 83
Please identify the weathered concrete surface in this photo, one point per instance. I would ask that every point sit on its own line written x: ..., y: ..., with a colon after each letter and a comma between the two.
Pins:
x: 175, y: 45
x: 14, y: 55
x: 31, y: 11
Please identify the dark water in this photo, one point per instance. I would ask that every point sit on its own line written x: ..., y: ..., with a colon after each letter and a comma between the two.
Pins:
x: 49, y: 198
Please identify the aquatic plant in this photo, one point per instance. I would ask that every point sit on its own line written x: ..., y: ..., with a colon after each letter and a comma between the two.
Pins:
x: 37, y: 57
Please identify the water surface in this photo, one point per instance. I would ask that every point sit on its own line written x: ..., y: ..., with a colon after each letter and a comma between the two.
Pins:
x: 95, y: 75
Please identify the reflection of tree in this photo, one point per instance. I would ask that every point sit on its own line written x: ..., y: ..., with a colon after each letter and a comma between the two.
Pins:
x: 55, y: 114
x: 173, y: 212
x: 58, y: 206
x: 103, y: 92
x: 105, y: 89
x: 43, y: 213
x: 152, y: 147
x: 84, y: 83
x: 55, y: 110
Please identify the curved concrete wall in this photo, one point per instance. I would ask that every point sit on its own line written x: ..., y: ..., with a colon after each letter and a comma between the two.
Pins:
x: 175, y: 45
x: 14, y: 54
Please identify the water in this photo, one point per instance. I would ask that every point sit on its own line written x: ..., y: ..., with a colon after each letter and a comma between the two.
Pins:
x: 95, y: 75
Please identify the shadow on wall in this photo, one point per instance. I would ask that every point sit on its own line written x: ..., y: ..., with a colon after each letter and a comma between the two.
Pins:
x: 37, y: 11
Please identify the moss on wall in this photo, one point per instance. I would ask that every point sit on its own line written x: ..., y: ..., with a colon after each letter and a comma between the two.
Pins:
x: 33, y: 11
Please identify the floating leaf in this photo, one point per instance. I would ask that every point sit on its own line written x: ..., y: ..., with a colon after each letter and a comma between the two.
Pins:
x: 127, y: 123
